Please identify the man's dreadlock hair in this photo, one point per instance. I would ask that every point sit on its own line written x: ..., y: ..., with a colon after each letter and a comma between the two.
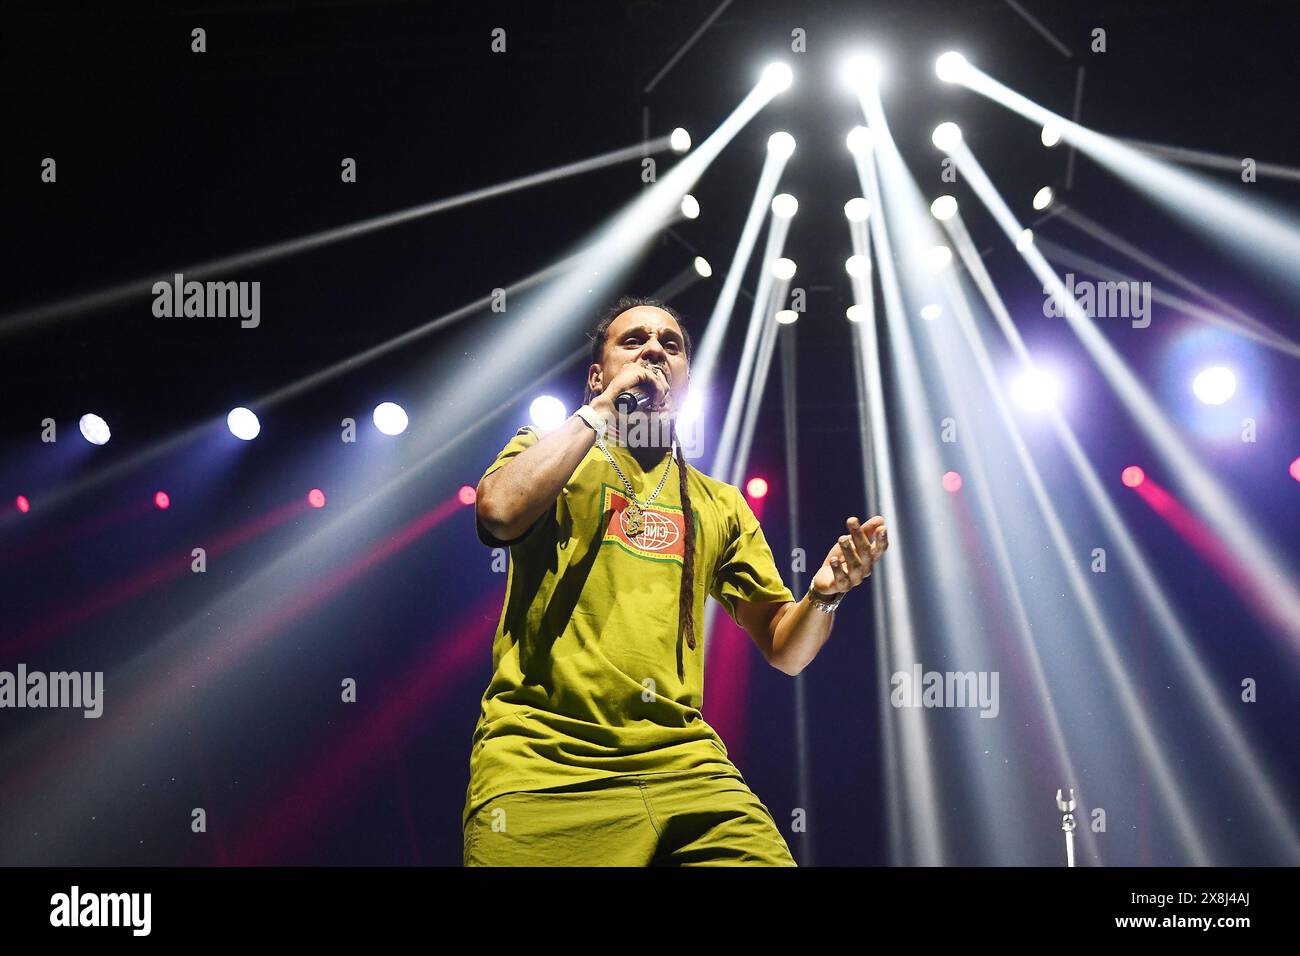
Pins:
x: 598, y: 336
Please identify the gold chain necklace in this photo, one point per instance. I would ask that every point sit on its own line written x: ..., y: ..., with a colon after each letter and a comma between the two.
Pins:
x: 636, y: 510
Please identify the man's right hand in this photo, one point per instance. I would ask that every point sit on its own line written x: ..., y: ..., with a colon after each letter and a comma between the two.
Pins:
x: 651, y: 378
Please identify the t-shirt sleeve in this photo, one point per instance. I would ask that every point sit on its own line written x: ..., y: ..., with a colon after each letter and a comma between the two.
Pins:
x: 525, y: 438
x: 747, y: 570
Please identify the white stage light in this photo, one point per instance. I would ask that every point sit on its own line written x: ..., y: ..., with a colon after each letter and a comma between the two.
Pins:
x: 390, y: 418
x: 938, y: 257
x: 860, y: 140
x: 780, y: 145
x: 858, y: 266
x: 783, y: 268
x: 1035, y: 390
x: 946, y: 136
x: 787, y: 316
x: 1051, y: 134
x: 1214, y: 386
x: 950, y: 67
x: 690, y: 207
x: 692, y: 409
x: 855, y: 313
x: 784, y: 206
x: 857, y: 209
x: 777, y: 77
x: 931, y: 311
x: 702, y: 267
x: 94, y: 429
x: 243, y: 424
x: 944, y: 207
x: 1024, y: 240
x: 1043, y: 198
x: 547, y: 412
x: 862, y: 70
x: 680, y: 140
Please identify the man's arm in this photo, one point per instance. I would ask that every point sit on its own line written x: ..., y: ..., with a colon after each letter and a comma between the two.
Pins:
x: 513, y: 497
x: 791, y: 633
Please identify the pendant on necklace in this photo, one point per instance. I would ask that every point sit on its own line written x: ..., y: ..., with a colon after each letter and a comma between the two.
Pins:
x: 635, y: 520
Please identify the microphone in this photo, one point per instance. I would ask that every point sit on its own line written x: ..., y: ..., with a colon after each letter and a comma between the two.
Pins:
x: 631, y: 399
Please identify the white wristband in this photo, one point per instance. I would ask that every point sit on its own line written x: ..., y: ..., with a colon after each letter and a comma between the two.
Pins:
x: 593, y: 418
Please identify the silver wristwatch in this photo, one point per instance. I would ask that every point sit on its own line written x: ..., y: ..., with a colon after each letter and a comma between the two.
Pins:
x: 822, y: 603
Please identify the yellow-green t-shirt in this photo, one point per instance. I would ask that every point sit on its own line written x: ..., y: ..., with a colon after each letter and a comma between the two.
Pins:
x: 591, y: 674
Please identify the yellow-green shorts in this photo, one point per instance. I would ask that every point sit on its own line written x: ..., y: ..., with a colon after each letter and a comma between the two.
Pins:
x: 674, y: 818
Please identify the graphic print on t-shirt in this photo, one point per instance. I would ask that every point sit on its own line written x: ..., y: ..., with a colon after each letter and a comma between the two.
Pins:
x: 664, y: 537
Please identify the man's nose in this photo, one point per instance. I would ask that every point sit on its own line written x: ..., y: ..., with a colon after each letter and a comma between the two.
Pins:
x: 653, y: 348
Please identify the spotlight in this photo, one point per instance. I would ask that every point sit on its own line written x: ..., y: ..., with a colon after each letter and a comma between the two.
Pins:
x: 1051, y: 134
x: 690, y: 207
x: 1132, y: 476
x: 547, y: 412
x: 243, y: 424
x: 784, y: 206
x: 467, y: 495
x: 692, y: 408
x: 931, y: 312
x: 938, y: 258
x: 946, y: 136
x: 1214, y: 386
x: 951, y: 482
x: 783, y: 268
x: 390, y: 418
x: 94, y: 429
x: 680, y: 140
x: 776, y: 78
x: 943, y: 208
x: 316, y: 498
x: 1294, y: 471
x: 702, y: 267
x: 950, y: 67
x: 855, y: 313
x: 25, y: 506
x: 1035, y: 390
x: 862, y: 70
x: 860, y: 140
x: 787, y: 317
x: 780, y: 145
x: 857, y: 209
x: 756, y: 487
x: 1024, y: 240
x: 1043, y: 198
x: 162, y: 500
x: 858, y: 266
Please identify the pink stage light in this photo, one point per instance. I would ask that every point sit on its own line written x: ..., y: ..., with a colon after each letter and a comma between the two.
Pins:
x: 316, y: 498
x: 467, y: 494
x: 1132, y: 476
x: 1295, y: 469
x: 162, y: 500
x: 756, y: 488
x: 951, y: 482
x: 25, y: 506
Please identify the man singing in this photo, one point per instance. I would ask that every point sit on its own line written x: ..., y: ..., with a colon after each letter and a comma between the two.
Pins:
x: 590, y: 749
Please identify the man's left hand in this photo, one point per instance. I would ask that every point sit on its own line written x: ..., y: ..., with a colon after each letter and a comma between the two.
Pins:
x: 850, y: 561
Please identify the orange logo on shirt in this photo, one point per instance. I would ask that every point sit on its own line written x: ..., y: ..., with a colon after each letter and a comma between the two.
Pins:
x: 664, y: 536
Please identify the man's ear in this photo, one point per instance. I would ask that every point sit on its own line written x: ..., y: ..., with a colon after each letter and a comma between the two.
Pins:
x: 594, y: 381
